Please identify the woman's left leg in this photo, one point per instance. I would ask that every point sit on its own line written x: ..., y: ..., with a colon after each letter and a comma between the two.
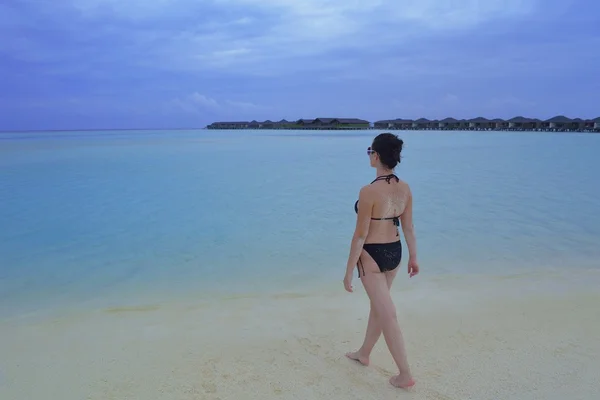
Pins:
x: 374, y: 330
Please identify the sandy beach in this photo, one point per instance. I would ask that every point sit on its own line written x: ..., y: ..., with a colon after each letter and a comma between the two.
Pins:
x: 494, y: 340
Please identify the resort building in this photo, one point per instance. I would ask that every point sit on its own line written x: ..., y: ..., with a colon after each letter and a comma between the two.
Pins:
x: 229, y: 125
x: 317, y: 123
x: 448, y: 123
x: 421, y: 123
x: 481, y: 123
x: 522, y: 123
x: 402, y: 124
x: 500, y: 124
x: 559, y: 123
x: 333, y: 123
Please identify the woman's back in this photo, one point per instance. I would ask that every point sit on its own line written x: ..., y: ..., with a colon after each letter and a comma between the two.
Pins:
x: 389, y: 202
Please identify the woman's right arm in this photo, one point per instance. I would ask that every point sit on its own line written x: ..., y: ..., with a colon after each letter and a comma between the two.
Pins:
x: 408, y: 228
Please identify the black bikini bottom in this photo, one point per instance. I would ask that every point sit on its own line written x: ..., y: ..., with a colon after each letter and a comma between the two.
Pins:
x: 387, y: 256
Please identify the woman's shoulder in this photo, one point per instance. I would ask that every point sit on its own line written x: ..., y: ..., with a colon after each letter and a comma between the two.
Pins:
x: 404, y: 184
x: 405, y: 189
x: 367, y: 192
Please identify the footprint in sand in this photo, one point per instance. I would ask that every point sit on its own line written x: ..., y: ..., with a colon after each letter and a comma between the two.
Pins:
x: 209, y: 387
x: 435, y: 395
x: 381, y: 370
x: 208, y: 373
x: 434, y: 374
x: 309, y: 346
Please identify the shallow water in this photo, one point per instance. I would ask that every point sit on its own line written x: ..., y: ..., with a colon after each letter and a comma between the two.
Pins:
x: 102, y: 216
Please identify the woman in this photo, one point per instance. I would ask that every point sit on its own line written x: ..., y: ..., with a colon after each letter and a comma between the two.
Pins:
x: 376, y: 251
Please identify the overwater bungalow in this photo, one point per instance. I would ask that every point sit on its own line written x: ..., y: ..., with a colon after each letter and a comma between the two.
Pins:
x: 282, y: 124
x: 304, y: 122
x: 448, y: 124
x: 384, y: 124
x: 500, y: 124
x: 522, y: 123
x: 577, y: 124
x: 558, y: 123
x: 333, y: 123
x: 267, y: 125
x: 403, y: 124
x: 481, y: 123
x: 588, y: 125
x: 421, y: 123
x: 229, y: 125
x: 562, y: 123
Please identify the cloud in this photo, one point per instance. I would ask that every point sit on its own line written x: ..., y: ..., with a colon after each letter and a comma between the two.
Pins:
x: 243, y: 35
x: 298, y: 29
x: 446, y: 15
x: 197, y: 103
x: 186, y: 60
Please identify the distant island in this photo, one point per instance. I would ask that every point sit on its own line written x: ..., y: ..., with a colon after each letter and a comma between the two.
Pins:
x: 559, y: 123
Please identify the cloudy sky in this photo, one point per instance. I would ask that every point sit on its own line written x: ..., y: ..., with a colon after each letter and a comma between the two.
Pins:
x: 71, y: 64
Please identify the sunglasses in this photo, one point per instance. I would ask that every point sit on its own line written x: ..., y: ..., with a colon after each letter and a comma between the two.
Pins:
x: 370, y: 151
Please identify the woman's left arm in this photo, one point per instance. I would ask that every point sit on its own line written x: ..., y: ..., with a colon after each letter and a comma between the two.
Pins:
x: 363, y: 220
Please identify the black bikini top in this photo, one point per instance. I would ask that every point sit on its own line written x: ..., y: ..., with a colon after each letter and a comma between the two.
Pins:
x: 387, y: 178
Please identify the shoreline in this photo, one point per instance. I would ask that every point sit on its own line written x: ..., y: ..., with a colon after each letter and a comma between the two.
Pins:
x: 539, y: 279
x: 491, y: 340
x: 157, y: 294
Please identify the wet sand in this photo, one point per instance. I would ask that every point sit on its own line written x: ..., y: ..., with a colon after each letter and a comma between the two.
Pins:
x: 509, y: 338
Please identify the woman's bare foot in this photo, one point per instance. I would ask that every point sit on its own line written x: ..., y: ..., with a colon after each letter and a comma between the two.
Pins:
x: 357, y: 357
x: 402, y: 381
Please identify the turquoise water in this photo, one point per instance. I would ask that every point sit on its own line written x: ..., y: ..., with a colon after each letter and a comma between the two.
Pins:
x: 93, y: 216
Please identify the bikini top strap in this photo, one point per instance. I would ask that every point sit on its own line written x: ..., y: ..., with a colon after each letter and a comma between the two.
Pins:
x: 395, y: 220
x: 387, y: 178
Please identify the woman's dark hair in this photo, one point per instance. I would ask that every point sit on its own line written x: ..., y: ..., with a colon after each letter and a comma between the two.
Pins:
x: 389, y: 147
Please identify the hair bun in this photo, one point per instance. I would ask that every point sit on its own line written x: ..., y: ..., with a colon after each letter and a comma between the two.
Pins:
x: 398, y: 148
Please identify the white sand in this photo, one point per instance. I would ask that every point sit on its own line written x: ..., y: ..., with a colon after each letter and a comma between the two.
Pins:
x: 465, y: 341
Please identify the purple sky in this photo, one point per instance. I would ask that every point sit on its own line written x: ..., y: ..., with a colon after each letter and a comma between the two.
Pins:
x: 69, y: 64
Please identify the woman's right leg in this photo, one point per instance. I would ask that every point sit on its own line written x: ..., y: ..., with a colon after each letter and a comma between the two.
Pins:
x: 376, y: 286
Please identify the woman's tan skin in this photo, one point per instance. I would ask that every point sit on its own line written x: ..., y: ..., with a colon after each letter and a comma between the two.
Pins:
x: 381, y: 199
